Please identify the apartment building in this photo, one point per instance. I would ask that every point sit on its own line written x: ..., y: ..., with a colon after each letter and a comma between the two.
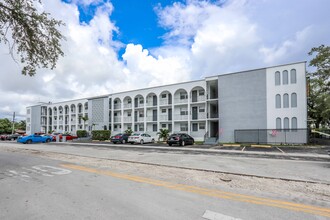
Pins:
x: 212, y: 108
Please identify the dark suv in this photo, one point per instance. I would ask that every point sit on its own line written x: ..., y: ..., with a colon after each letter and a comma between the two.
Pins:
x: 12, y: 137
x: 180, y: 139
x: 120, y: 138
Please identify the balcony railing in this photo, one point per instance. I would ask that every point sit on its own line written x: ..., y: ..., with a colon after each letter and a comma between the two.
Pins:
x: 199, y: 99
x: 200, y: 115
x: 127, y: 119
x: 139, y: 105
x: 117, y: 106
x: 164, y: 102
x: 151, y: 118
x: 180, y: 117
x: 117, y: 119
x: 128, y: 105
x: 164, y: 118
x: 180, y: 101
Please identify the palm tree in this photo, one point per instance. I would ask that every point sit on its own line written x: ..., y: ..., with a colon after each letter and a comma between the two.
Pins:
x: 163, y: 134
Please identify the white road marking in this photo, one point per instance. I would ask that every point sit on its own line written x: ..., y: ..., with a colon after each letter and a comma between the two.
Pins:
x: 217, y: 216
x: 37, y: 172
x: 43, y: 170
x: 52, y: 170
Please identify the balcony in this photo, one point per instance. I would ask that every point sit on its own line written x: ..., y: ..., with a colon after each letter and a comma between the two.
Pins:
x: 198, y: 99
x: 117, y: 106
x: 117, y: 119
x: 180, y: 117
x: 140, y: 119
x: 163, y: 118
x: 163, y: 102
x: 128, y: 105
x: 128, y: 119
x: 200, y: 115
x: 180, y: 101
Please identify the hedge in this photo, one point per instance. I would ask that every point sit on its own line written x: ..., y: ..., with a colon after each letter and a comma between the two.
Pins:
x: 101, y: 135
x: 81, y: 133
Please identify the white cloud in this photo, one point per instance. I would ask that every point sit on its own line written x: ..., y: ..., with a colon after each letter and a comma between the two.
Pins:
x: 203, y: 38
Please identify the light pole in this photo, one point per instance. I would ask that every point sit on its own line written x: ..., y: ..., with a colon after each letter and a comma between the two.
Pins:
x: 12, y: 132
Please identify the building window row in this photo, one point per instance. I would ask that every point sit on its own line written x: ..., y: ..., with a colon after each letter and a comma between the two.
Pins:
x: 278, y: 103
x: 285, y: 77
x: 286, y: 123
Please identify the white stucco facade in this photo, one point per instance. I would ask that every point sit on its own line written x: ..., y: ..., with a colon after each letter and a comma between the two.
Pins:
x: 210, y: 108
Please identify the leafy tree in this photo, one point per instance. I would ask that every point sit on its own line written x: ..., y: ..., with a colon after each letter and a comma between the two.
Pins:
x: 163, y: 134
x: 319, y: 87
x: 34, y: 34
x: 129, y: 132
x: 5, y: 126
x: 20, y: 125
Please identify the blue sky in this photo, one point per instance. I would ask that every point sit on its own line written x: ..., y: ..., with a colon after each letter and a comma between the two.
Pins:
x: 136, y: 20
x: 116, y: 45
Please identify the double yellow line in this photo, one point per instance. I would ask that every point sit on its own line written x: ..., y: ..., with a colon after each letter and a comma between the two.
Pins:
x: 210, y: 192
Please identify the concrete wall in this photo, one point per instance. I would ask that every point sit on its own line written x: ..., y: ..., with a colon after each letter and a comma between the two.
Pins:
x: 242, y: 102
x: 35, y: 123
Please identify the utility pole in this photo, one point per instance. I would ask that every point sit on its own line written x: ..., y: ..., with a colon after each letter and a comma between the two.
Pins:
x: 12, y: 132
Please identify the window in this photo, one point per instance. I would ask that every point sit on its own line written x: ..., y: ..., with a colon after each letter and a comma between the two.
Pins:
x: 164, y: 110
x: 141, y: 114
x: 278, y: 101
x: 28, y: 120
x: 285, y: 77
x: 163, y: 125
x: 277, y: 78
x: 293, y: 100
x: 293, y: 76
x: 285, y: 101
x: 129, y: 101
x: 115, y: 102
x: 184, y: 127
x: 141, y: 127
x: 202, y: 109
x: 278, y: 123
x: 194, y: 127
x: 141, y: 101
x: 183, y: 95
x: 286, y: 123
x: 183, y: 111
x: 201, y: 92
x: 294, y: 124
x: 28, y: 111
x: 115, y: 114
x: 129, y: 114
x: 163, y: 96
x: 201, y: 126
x: 154, y: 127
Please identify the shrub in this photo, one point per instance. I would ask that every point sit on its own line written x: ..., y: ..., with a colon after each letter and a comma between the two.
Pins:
x: 81, y: 133
x: 101, y: 135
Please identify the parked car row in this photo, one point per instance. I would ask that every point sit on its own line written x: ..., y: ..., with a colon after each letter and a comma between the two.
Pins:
x: 181, y: 139
x: 9, y: 137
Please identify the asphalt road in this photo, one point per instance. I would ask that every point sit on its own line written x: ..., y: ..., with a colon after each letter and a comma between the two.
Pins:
x: 257, y: 165
x: 36, y: 188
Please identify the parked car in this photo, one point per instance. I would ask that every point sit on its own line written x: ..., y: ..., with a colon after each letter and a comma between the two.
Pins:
x: 120, y: 138
x: 181, y: 139
x: 140, y: 138
x: 68, y: 137
x: 34, y: 138
x: 12, y: 137
x: 3, y: 137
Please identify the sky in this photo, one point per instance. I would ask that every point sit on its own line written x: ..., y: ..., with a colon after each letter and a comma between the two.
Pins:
x: 114, y: 45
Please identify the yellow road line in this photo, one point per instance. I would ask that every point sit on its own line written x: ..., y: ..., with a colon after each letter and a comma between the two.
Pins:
x: 209, y: 192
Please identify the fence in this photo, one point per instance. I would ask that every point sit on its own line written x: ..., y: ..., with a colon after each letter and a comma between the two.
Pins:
x: 272, y: 136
